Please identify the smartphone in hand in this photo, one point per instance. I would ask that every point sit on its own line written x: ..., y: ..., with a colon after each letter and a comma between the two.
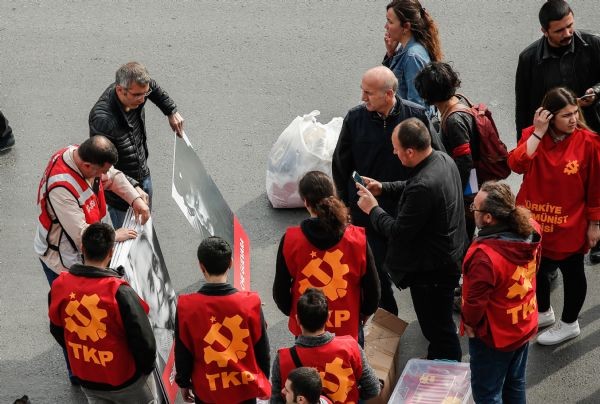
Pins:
x: 356, y: 177
x: 586, y: 97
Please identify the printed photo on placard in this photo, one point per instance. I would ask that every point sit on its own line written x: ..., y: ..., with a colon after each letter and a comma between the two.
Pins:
x: 146, y: 272
x: 197, y: 195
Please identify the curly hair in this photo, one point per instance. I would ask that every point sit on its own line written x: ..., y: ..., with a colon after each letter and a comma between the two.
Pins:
x: 500, y: 203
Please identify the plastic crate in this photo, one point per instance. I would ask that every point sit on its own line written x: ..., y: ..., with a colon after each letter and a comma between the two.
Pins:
x: 424, y: 381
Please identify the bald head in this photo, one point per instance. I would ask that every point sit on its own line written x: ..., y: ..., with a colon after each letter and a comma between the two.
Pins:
x: 379, y: 86
x: 381, y: 77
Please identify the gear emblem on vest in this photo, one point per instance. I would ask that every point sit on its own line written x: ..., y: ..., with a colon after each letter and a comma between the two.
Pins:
x: 571, y: 168
x: 78, y: 322
x: 235, y: 348
x: 522, y: 277
x: 333, y: 286
x: 337, y: 392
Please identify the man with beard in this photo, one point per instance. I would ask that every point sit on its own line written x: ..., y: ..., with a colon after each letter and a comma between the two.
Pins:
x: 563, y: 57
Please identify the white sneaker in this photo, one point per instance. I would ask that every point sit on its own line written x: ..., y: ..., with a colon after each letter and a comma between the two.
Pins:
x: 560, y: 332
x: 546, y: 318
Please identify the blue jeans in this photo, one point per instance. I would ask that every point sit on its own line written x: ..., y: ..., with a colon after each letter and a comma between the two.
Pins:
x: 496, y: 376
x: 51, y: 276
x: 117, y: 216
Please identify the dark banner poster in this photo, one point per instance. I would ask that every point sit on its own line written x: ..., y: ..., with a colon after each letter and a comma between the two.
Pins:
x: 146, y: 272
x: 204, y: 207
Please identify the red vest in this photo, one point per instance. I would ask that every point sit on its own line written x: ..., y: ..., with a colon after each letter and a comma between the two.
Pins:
x: 59, y: 174
x: 95, y: 338
x: 336, y: 271
x: 338, y: 362
x: 512, y: 309
x: 221, y: 331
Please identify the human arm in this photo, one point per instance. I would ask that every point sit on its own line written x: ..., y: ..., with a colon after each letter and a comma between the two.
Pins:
x: 479, y: 277
x: 261, y: 348
x: 56, y: 330
x: 518, y: 159
x: 412, y: 64
x: 165, y: 103
x: 69, y: 214
x: 592, y: 203
x: 370, y: 286
x: 390, y: 49
x: 368, y: 382
x: 342, y: 163
x: 459, y: 129
x: 115, y: 181
x: 522, y: 88
x: 184, y: 359
x: 138, y: 330
x: 282, y: 283
x: 413, y: 214
x: 276, y: 383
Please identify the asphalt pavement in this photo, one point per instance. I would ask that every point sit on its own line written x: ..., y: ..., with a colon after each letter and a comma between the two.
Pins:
x: 240, y: 72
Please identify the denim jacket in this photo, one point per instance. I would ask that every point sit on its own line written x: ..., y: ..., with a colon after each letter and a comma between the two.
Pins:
x: 406, y: 63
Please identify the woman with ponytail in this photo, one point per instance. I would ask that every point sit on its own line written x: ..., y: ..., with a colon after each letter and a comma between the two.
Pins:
x: 411, y: 41
x: 328, y: 253
x: 499, y: 303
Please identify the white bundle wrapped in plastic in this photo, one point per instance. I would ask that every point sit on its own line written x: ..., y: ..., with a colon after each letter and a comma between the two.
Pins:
x: 305, y: 145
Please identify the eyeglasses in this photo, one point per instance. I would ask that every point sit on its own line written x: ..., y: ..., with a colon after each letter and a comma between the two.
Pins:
x: 472, y: 208
x: 139, y: 95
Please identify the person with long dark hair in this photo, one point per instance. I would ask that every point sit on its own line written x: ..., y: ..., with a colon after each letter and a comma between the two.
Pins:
x: 498, y: 302
x: 411, y: 41
x: 328, y: 253
x: 560, y: 162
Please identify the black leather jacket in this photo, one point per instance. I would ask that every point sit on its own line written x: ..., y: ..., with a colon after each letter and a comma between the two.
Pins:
x: 107, y: 118
x: 539, y: 71
x: 427, y: 237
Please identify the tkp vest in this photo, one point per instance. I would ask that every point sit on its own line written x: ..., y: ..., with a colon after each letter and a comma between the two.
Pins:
x: 338, y: 362
x: 95, y: 338
x: 220, y: 332
x: 336, y: 271
x: 512, y: 309
x: 59, y: 174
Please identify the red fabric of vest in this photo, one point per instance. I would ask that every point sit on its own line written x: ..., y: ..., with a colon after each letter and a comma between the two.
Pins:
x: 94, y: 334
x: 338, y: 362
x: 336, y: 271
x: 511, y: 313
x: 59, y: 174
x: 560, y: 188
x: 220, y: 332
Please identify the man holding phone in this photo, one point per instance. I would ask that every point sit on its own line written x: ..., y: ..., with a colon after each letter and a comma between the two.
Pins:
x: 364, y: 146
x: 564, y: 57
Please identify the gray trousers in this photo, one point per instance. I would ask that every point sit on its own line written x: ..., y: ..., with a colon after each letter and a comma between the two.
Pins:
x: 140, y: 392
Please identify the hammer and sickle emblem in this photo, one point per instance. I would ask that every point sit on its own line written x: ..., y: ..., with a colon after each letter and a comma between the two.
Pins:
x: 337, y: 392
x: 334, y: 286
x: 571, y: 167
x: 86, y: 327
x: 235, y: 348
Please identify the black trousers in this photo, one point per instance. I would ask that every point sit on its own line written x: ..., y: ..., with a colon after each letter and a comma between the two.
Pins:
x: 433, y: 306
x: 379, y: 249
x: 574, y: 283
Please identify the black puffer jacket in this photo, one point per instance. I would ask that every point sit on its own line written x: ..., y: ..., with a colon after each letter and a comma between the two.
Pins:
x: 108, y: 118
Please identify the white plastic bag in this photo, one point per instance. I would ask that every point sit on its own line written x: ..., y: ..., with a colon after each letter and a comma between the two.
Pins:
x: 305, y: 145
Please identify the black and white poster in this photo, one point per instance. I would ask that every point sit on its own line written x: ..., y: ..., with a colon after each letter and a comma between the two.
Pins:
x: 203, y: 205
x: 146, y: 272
